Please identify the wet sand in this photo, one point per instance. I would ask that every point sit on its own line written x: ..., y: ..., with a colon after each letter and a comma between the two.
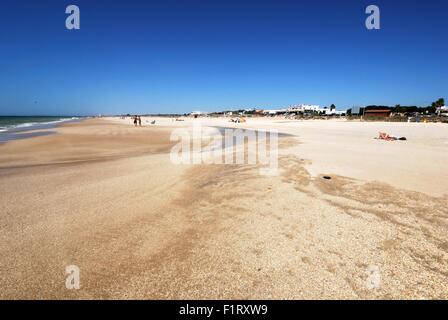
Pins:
x: 104, y: 196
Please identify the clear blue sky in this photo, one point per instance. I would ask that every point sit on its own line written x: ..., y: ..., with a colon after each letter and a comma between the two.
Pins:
x: 177, y: 56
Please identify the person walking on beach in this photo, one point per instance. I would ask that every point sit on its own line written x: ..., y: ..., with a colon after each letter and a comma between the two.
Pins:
x: 139, y: 121
x: 135, y: 120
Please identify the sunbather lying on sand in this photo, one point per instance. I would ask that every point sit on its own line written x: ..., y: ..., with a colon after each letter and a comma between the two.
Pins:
x: 385, y: 136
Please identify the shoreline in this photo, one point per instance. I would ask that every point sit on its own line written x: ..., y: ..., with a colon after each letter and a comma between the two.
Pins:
x: 34, y: 129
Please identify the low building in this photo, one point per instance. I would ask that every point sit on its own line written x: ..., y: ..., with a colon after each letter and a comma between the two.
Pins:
x: 196, y: 114
x: 442, y: 111
x: 304, y: 108
x: 339, y: 113
x: 274, y: 112
x: 355, y: 111
x: 376, y: 113
x: 258, y: 112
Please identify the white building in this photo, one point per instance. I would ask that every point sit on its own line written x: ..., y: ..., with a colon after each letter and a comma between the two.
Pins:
x: 334, y: 112
x: 304, y: 108
x: 329, y: 112
x: 442, y: 111
x: 197, y: 114
x: 274, y: 112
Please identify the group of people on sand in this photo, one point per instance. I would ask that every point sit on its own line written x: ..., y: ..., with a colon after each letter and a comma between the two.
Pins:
x: 137, y: 121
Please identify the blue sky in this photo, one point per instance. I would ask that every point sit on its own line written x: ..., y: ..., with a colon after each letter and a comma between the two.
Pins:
x: 177, y: 56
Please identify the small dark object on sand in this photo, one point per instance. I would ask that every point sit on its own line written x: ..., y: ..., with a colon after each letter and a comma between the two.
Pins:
x: 327, y: 177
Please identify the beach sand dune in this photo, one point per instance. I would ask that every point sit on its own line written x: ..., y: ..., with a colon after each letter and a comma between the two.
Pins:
x: 104, y: 196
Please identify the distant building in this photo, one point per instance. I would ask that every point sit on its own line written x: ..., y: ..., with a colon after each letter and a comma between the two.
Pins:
x: 304, y: 108
x: 333, y: 112
x: 258, y: 112
x: 442, y: 111
x: 274, y: 112
x: 198, y: 114
x: 355, y: 111
x: 376, y: 112
x: 339, y: 113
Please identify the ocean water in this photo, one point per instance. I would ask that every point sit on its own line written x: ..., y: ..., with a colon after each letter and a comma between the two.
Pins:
x: 12, y: 122
x: 12, y: 127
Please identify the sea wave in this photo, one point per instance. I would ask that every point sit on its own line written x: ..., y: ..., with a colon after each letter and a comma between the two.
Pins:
x: 30, y: 125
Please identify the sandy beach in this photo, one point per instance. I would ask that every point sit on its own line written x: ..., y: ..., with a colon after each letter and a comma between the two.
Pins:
x: 104, y: 195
